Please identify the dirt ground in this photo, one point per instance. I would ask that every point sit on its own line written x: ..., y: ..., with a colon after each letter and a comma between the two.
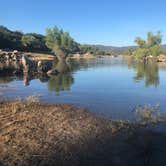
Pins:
x: 62, y: 135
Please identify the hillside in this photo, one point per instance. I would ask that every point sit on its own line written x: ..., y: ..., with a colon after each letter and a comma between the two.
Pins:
x: 115, y: 50
x: 121, y: 50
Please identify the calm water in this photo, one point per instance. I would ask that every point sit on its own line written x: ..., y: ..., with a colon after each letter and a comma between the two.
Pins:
x: 109, y: 87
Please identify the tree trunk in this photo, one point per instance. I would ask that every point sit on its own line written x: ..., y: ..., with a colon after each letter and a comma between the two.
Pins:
x: 61, y: 56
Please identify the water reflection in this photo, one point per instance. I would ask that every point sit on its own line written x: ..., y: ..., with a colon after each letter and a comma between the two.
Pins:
x: 106, y: 86
x: 60, y: 82
x: 147, y: 71
x: 63, y: 81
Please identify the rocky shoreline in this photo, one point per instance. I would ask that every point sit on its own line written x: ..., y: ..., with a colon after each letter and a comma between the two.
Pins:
x: 20, y: 62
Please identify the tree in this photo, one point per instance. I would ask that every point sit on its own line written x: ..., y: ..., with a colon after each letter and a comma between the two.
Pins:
x: 9, y: 39
x: 34, y: 42
x: 149, y: 47
x: 28, y: 40
x: 18, y: 40
x: 130, y: 51
x: 89, y: 49
x: 141, y: 43
x: 154, y: 40
x: 155, y: 50
x: 60, y: 42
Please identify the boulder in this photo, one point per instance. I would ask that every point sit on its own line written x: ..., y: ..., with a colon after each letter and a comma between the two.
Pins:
x: 7, y: 57
x: 15, y: 52
x: 2, y: 56
x: 161, y: 60
x: 43, y: 67
x: 52, y: 72
x: 16, y: 57
x: 9, y: 53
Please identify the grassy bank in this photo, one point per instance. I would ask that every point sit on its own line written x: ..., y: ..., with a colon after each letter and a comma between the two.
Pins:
x: 32, y: 133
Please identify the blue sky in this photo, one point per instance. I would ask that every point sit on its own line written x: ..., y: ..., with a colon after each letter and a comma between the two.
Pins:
x: 108, y: 22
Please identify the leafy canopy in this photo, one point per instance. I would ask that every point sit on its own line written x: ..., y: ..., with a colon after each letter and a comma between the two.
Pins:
x: 60, y: 42
x: 151, y: 46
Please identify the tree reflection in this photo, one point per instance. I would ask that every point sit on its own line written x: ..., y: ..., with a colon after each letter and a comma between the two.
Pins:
x: 60, y: 82
x: 63, y: 80
x: 147, y: 71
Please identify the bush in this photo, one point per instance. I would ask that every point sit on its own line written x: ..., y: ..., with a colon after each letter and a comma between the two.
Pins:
x: 141, y: 53
x: 155, y: 50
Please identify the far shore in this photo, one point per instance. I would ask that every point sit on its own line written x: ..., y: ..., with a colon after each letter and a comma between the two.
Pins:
x: 39, y: 56
x: 45, y: 56
x: 42, y: 56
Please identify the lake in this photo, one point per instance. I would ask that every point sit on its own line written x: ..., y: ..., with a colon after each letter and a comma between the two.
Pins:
x: 111, y: 87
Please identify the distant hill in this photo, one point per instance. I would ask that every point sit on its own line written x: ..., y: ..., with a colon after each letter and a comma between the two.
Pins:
x: 115, y: 50
x: 121, y: 50
x: 163, y: 47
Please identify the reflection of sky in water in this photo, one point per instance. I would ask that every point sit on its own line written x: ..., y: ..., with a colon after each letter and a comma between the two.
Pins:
x: 110, y: 87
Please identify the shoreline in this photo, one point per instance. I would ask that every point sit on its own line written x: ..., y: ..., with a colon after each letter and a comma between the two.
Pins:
x: 33, y: 133
x: 39, y: 56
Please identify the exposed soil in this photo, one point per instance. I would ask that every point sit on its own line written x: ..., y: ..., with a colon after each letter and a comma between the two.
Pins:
x: 41, y: 134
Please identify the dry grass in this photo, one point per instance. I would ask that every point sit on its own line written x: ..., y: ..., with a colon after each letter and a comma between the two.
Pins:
x: 83, y: 56
x: 40, y: 56
x: 33, y: 132
x: 42, y: 134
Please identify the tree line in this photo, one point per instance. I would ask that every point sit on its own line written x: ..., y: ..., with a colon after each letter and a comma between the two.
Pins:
x: 56, y: 41
x: 62, y: 44
x: 23, y: 42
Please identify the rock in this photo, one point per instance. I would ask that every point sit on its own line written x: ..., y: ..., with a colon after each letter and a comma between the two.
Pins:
x: 27, y: 64
x: 39, y: 66
x: 16, y: 57
x: 52, y: 72
x: 15, y: 52
x: 9, y: 53
x: 7, y: 57
x: 43, y: 67
x: 2, y: 56
x: 161, y: 60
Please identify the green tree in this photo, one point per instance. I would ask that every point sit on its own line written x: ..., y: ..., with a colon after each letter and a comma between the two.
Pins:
x: 154, y: 40
x: 141, y: 43
x: 130, y: 51
x: 149, y: 47
x: 141, y: 53
x: 28, y: 40
x: 155, y: 50
x: 18, y: 40
x: 60, y: 43
x: 89, y: 49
